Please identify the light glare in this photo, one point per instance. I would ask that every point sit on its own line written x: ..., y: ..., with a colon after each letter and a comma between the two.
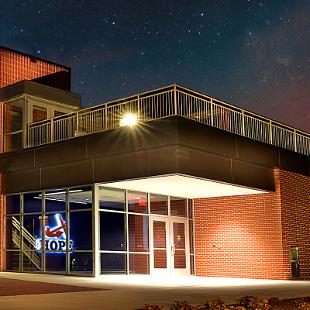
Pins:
x: 129, y: 120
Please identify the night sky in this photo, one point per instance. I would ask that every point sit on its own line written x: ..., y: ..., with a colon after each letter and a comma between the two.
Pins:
x: 254, y: 54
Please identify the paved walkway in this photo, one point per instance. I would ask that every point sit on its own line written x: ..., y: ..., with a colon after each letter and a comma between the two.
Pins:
x: 130, y: 292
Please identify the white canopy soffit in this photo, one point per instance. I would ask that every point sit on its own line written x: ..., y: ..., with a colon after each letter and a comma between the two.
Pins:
x: 183, y: 186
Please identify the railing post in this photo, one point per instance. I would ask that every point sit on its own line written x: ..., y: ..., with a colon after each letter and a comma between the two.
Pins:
x: 212, y: 112
x: 27, y: 139
x: 105, y: 117
x: 138, y: 106
x: 175, y: 99
x: 77, y: 123
x: 52, y: 130
x: 295, y: 140
x: 243, y: 128
x: 270, y: 132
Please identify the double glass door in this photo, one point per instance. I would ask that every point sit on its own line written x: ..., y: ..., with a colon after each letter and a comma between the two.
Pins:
x: 169, y: 246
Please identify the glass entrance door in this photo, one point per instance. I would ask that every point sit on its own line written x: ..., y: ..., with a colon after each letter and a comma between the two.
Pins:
x: 169, y: 246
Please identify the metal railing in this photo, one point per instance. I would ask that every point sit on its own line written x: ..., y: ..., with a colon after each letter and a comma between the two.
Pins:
x: 27, y: 243
x: 164, y: 102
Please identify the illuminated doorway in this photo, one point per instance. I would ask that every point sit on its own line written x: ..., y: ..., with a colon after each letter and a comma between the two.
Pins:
x: 169, y: 246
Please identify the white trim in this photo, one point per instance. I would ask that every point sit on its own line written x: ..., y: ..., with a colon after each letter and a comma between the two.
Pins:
x: 96, y: 232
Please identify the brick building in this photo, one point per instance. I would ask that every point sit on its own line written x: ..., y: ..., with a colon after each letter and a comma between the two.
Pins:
x: 167, y: 182
x: 16, y: 66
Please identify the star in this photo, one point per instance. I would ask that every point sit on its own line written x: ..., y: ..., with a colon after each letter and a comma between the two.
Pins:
x: 238, y: 43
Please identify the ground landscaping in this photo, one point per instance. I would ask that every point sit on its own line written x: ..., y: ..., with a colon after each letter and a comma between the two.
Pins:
x: 245, y: 303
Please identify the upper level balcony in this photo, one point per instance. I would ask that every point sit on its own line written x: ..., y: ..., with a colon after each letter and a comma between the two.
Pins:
x: 157, y: 104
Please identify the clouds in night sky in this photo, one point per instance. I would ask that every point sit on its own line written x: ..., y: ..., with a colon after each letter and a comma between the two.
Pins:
x: 255, y: 54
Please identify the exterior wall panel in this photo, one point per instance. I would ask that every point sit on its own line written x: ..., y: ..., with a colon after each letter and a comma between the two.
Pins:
x: 250, y: 236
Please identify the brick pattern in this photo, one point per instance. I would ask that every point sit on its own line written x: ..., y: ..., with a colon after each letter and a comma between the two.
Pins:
x: 139, y: 263
x: 238, y: 236
x: 138, y: 242
x: 160, y: 244
x: 15, y: 67
x: 295, y: 202
x: 250, y: 236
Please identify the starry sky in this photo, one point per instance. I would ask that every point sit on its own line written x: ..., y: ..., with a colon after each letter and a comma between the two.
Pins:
x: 253, y: 54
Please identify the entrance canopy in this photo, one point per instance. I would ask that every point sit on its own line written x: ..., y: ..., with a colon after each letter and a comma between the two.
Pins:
x: 183, y: 186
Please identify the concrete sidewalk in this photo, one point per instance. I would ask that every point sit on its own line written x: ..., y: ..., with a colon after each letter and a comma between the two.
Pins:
x: 131, y: 292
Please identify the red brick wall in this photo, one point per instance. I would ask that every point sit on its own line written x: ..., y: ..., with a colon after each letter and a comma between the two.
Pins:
x: 295, y: 203
x: 159, y: 242
x: 138, y: 236
x: 250, y: 236
x: 15, y: 67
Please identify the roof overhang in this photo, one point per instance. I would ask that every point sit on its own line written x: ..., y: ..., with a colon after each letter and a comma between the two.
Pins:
x: 184, y: 186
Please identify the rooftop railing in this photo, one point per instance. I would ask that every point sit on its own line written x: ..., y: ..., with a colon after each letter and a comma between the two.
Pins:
x: 165, y: 102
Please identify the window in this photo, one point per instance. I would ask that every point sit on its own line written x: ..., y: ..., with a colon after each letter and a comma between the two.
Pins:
x: 178, y: 206
x: 112, y: 199
x: 158, y: 204
x: 44, y: 234
x: 14, y: 111
x: 112, y: 231
x: 137, y: 202
x: 39, y: 113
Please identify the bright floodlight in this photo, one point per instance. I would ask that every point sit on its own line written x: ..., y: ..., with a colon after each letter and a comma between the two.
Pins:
x: 129, y: 120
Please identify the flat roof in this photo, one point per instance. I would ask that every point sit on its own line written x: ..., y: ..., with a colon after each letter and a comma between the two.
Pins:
x: 35, y: 57
x: 39, y: 90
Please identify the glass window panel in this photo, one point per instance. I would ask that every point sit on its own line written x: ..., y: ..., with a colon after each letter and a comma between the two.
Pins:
x: 14, y: 116
x: 81, y: 263
x: 113, y: 263
x: 179, y: 245
x: 138, y: 231
x: 55, y: 262
x: 178, y: 206
x: 158, y: 204
x: 179, y: 235
x: 111, y: 199
x: 55, y: 200
x: 32, y: 232
x: 160, y: 259
x: 12, y: 260
x: 137, y: 202
x: 159, y: 235
x: 139, y: 263
x: 56, y: 232
x: 13, y: 142
x: 38, y: 113
x: 12, y: 204
x: 13, y: 238
x: 80, y: 198
x: 81, y: 230
x: 112, y: 231
x: 32, y: 261
x: 33, y: 202
x: 179, y: 259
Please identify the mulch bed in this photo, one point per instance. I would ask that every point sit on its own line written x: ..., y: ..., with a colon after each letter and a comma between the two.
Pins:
x: 11, y: 287
x: 290, y: 304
